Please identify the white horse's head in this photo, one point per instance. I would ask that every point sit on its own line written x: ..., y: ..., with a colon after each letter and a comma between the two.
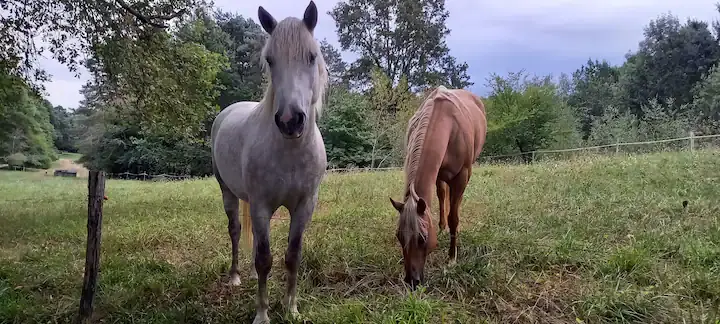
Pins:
x: 298, y: 74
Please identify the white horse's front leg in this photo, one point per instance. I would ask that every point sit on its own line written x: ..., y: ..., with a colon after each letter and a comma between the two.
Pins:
x: 263, y: 258
x: 253, y: 269
x: 300, y: 217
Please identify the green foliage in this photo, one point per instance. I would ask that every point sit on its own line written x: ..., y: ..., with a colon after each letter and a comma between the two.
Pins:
x: 614, y: 126
x: 522, y: 114
x: 16, y: 159
x: 346, y: 129
x: 337, y: 68
x: 151, y: 109
x: 670, y: 60
x: 160, y: 82
x: 662, y: 122
x: 595, y: 87
x: 24, y: 123
x: 706, y: 102
x: 70, y: 29
x: 391, y: 110
x: 243, y: 81
x: 403, y: 38
x: 63, y: 125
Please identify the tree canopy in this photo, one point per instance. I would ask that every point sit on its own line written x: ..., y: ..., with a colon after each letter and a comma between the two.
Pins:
x: 161, y: 70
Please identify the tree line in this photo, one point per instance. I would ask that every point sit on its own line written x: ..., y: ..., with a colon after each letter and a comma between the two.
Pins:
x: 161, y: 70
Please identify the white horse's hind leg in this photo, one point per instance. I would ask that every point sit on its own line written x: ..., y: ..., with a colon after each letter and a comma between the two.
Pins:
x: 253, y: 270
x: 263, y: 258
x: 299, y: 218
x: 232, y: 209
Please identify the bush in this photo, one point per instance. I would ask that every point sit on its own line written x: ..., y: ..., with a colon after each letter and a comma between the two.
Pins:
x: 16, y: 160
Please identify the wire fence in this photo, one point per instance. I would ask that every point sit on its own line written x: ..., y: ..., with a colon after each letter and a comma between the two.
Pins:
x: 688, y: 143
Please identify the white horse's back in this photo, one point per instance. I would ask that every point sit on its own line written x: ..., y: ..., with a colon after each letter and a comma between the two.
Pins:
x: 241, y: 110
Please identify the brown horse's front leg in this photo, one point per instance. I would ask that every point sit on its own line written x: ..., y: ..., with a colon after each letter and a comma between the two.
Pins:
x: 444, y: 202
x: 457, y: 189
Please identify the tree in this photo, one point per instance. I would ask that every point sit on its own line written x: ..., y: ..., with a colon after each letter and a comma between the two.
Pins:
x: 337, y: 68
x: 346, y: 130
x: 670, y: 60
x: 613, y: 126
x: 25, y: 128
x: 594, y: 88
x: 159, y: 82
x: 403, y: 38
x: 62, y: 123
x: 150, y: 110
x: 70, y: 28
x: 243, y: 80
x: 521, y: 113
x: 706, y: 103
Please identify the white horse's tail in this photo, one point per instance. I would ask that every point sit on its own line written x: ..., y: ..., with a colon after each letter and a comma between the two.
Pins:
x: 246, y: 232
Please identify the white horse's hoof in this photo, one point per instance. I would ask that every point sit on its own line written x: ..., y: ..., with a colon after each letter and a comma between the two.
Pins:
x: 293, y: 311
x: 295, y: 315
x: 261, y: 318
x: 452, y: 262
x: 291, y: 306
x: 253, y: 273
x: 234, y: 280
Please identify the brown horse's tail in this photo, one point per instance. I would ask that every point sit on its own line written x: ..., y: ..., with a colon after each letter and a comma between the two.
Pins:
x: 247, y: 235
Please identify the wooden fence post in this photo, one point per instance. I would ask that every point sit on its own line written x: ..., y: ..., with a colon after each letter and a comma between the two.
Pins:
x: 692, y: 141
x: 96, y: 194
x: 617, y: 146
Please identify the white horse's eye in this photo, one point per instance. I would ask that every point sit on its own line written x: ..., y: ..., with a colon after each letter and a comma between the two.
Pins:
x: 312, y: 58
x: 269, y: 60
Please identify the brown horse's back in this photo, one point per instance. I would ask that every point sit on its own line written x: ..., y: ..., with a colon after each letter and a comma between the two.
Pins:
x: 476, y: 120
x: 470, y: 125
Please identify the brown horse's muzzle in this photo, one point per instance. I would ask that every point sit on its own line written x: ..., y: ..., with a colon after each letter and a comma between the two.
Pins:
x: 415, y: 279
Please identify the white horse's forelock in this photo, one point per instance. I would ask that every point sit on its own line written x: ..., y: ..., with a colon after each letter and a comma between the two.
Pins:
x: 291, y: 39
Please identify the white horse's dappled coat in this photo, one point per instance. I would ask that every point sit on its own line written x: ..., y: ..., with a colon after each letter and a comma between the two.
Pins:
x: 271, y: 154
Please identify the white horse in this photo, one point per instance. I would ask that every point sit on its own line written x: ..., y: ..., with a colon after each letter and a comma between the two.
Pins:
x: 270, y: 153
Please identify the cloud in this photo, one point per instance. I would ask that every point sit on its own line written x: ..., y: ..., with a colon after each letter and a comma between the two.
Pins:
x: 542, y: 37
x: 64, y: 87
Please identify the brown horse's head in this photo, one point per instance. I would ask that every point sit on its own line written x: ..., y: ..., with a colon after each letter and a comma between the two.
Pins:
x: 416, y: 235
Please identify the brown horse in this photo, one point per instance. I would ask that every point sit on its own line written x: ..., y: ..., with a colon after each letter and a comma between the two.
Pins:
x: 444, y: 138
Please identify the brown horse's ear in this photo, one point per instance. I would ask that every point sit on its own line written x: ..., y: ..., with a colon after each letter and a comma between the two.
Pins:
x: 421, y: 205
x: 398, y: 206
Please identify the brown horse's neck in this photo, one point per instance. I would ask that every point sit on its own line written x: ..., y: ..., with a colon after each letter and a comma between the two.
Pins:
x: 424, y: 165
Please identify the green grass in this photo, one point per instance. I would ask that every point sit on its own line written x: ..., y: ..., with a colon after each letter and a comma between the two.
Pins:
x: 593, y: 240
x: 69, y: 155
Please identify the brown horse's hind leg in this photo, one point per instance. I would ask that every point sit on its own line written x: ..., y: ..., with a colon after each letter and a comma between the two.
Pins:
x: 444, y: 202
x: 457, y: 189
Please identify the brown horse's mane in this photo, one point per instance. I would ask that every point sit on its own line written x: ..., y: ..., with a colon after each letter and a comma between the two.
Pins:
x: 291, y: 38
x: 409, y: 222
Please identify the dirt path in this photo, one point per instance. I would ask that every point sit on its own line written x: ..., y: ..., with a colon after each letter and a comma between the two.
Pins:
x: 68, y: 164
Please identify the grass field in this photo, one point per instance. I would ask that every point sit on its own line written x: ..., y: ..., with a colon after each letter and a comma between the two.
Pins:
x: 594, y: 240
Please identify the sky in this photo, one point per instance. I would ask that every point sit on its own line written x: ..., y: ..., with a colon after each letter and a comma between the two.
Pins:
x: 540, y: 36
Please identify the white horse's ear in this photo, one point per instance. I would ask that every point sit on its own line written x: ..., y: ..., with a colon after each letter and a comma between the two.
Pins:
x: 310, y: 17
x: 267, y: 21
